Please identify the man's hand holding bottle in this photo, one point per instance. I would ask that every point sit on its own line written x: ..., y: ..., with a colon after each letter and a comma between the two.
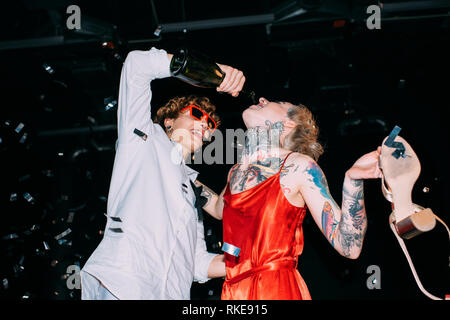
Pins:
x: 233, y: 82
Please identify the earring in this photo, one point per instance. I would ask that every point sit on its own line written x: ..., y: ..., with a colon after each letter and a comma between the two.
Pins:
x: 169, y: 129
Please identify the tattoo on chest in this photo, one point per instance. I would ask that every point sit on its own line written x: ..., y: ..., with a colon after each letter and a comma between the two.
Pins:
x: 243, y: 179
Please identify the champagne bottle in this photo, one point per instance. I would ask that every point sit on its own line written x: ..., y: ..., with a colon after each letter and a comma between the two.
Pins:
x: 200, y: 70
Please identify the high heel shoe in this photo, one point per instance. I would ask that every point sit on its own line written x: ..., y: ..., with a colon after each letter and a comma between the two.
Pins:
x: 400, y: 168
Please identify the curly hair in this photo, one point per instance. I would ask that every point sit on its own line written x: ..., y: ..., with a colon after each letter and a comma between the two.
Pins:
x: 304, y: 136
x: 173, y: 107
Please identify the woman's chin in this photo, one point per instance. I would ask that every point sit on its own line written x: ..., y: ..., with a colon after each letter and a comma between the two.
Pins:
x: 250, y: 118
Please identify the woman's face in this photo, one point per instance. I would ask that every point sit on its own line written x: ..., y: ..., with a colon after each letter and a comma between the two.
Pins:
x: 188, y: 131
x: 265, y: 113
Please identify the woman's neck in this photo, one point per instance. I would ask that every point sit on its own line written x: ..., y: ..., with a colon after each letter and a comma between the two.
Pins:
x: 261, y: 142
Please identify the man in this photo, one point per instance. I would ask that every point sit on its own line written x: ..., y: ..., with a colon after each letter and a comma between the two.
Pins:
x: 266, y: 198
x: 153, y: 246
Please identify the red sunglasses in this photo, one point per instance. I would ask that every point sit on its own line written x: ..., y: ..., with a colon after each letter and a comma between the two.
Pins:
x: 199, y: 114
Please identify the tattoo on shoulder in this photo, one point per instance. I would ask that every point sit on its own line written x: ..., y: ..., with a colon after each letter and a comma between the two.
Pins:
x: 318, y: 178
x: 287, y: 168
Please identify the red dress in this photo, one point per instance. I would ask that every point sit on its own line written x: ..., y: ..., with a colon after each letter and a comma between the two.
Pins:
x: 268, y: 230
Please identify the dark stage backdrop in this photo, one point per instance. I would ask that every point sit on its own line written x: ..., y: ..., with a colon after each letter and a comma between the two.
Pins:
x: 58, y: 117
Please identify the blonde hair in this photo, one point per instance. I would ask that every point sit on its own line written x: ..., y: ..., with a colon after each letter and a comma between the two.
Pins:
x: 304, y: 136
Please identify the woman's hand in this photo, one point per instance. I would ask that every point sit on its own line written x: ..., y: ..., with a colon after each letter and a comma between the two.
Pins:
x: 366, y: 167
x: 233, y: 82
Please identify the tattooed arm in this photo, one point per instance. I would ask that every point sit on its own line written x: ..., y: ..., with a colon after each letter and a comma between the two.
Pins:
x: 214, y: 203
x: 344, y: 229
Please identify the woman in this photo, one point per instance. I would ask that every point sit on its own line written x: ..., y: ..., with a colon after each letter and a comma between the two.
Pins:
x: 266, y: 198
x: 153, y: 245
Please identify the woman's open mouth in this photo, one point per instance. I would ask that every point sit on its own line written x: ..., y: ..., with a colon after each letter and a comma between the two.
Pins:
x: 257, y: 106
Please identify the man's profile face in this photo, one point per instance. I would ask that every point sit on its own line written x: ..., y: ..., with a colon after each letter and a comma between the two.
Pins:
x: 189, y: 132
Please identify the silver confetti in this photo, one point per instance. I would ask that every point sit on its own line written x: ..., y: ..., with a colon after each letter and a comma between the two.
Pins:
x: 28, y: 197
x: 10, y: 236
x: 70, y: 217
x: 13, y: 197
x: 17, y: 268
x: 111, y: 105
x: 19, y: 127
x: 5, y: 283
x: 48, y: 68
x: 63, y: 234
x: 46, y: 246
x: 24, y: 138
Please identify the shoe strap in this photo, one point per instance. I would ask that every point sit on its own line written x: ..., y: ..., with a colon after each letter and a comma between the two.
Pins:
x: 408, y: 258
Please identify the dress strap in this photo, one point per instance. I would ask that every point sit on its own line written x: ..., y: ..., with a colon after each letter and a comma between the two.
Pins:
x: 281, y: 168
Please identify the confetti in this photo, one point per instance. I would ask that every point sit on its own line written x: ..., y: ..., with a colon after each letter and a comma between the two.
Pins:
x: 5, y: 283
x: 10, y: 236
x: 24, y: 138
x: 70, y: 217
x: 48, y: 68
x: 63, y: 234
x: 19, y: 127
x: 28, y: 197
x: 13, y: 197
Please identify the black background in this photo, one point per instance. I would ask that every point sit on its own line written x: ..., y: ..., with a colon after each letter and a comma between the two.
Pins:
x: 359, y: 83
